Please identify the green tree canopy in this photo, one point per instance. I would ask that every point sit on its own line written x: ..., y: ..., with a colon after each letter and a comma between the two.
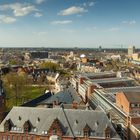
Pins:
x: 49, y: 65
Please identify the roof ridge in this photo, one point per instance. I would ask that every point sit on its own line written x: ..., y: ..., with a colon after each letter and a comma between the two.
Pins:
x: 68, y: 122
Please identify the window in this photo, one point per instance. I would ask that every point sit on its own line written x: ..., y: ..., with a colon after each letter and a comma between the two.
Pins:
x: 3, y: 138
x: 46, y: 132
x: 54, y: 137
x: 27, y: 126
x: 13, y: 137
x: 8, y: 137
x: 35, y: 129
x: 78, y: 133
x: 107, y: 135
x: 27, y: 138
x: 86, y: 133
x: 92, y: 133
x: 132, y: 105
x: 18, y: 137
x: 32, y: 138
x: 54, y: 131
x: 7, y: 125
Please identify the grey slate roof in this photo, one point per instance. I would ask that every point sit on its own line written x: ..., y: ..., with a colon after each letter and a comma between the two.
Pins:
x: 36, y: 101
x: 111, y: 80
x: 60, y: 97
x: 123, y: 89
x: 91, y: 74
x: 67, y: 96
x: 73, y: 121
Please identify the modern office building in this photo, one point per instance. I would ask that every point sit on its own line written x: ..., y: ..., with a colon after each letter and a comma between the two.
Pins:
x: 39, y: 54
x: 117, y: 103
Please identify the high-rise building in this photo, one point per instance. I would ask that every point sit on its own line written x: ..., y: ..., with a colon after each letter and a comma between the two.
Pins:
x: 100, y: 48
x: 131, y: 50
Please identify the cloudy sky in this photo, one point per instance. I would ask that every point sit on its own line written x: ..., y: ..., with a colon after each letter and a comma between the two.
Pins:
x: 69, y: 23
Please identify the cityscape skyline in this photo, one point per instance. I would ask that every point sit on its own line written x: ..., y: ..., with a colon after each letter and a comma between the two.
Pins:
x: 63, y: 23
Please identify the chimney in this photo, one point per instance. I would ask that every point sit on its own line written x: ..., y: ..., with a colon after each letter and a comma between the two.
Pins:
x: 81, y: 80
x: 55, y: 103
x: 74, y: 105
x: 90, y: 90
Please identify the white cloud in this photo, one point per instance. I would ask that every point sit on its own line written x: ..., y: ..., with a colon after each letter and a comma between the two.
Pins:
x: 61, y: 22
x: 39, y: 1
x: 7, y: 19
x: 19, y: 9
x: 132, y: 22
x: 91, y: 3
x: 72, y: 10
x: 38, y: 15
x: 88, y: 4
x: 114, y: 29
x: 129, y: 22
x: 85, y: 4
x: 24, y: 10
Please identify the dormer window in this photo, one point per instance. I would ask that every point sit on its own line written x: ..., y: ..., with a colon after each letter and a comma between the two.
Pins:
x: 38, y: 120
x: 55, y: 128
x: 19, y: 118
x: 86, y: 131
x: 76, y: 122
x: 7, y: 125
x: 27, y: 126
x: 96, y: 123
x: 108, y: 132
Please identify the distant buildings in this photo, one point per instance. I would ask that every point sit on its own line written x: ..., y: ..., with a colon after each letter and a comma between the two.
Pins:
x: 39, y: 54
x: 131, y: 50
x: 100, y: 48
x: 134, y: 57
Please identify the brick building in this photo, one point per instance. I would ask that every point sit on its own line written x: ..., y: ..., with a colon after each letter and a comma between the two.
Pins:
x: 28, y: 123
x: 129, y: 102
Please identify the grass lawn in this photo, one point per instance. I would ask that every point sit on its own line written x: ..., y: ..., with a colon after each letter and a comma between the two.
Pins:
x: 28, y: 93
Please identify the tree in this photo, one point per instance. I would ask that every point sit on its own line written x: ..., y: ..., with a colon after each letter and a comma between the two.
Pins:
x: 16, y: 83
x: 49, y: 65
